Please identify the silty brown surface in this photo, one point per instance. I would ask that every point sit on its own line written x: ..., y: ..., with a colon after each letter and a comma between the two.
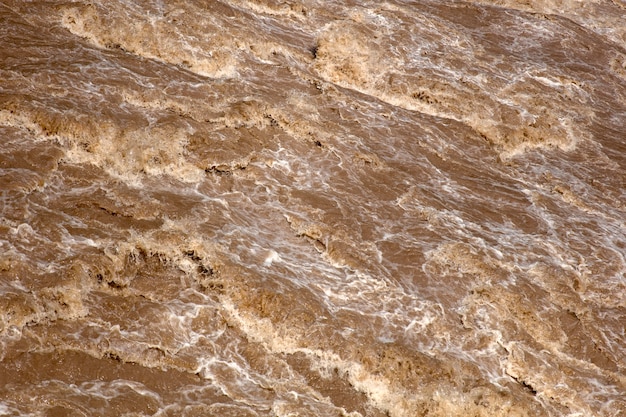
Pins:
x: 263, y: 208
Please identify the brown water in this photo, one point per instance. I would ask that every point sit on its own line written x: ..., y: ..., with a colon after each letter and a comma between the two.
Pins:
x: 315, y: 208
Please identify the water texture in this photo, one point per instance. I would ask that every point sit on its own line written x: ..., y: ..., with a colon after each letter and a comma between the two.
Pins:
x: 313, y: 208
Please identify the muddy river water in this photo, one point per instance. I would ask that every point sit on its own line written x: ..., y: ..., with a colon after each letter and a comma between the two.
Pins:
x: 313, y: 208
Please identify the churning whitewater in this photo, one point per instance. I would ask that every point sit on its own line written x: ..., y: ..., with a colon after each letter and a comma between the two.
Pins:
x: 313, y: 208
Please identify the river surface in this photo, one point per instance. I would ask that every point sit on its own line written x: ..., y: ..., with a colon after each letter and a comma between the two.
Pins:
x: 313, y: 208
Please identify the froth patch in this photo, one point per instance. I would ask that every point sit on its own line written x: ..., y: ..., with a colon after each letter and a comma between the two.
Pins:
x: 543, y: 332
x: 513, y: 118
x: 140, y: 280
x: 129, y: 154
x: 9, y: 117
x: 465, y: 259
x: 395, y: 381
x: 20, y: 306
x: 618, y: 65
x: 348, y: 54
x: 121, y: 28
x: 126, y: 149
x: 263, y: 331
x: 337, y: 244
x: 604, y: 18
x: 292, y: 9
x: 546, y: 379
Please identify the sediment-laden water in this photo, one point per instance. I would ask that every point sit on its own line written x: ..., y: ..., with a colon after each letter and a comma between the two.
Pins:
x: 312, y: 208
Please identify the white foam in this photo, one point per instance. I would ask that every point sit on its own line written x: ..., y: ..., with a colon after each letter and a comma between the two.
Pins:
x: 271, y: 257
x: 6, y: 410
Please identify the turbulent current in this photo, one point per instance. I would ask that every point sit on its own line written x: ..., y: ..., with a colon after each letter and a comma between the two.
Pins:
x: 313, y: 208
